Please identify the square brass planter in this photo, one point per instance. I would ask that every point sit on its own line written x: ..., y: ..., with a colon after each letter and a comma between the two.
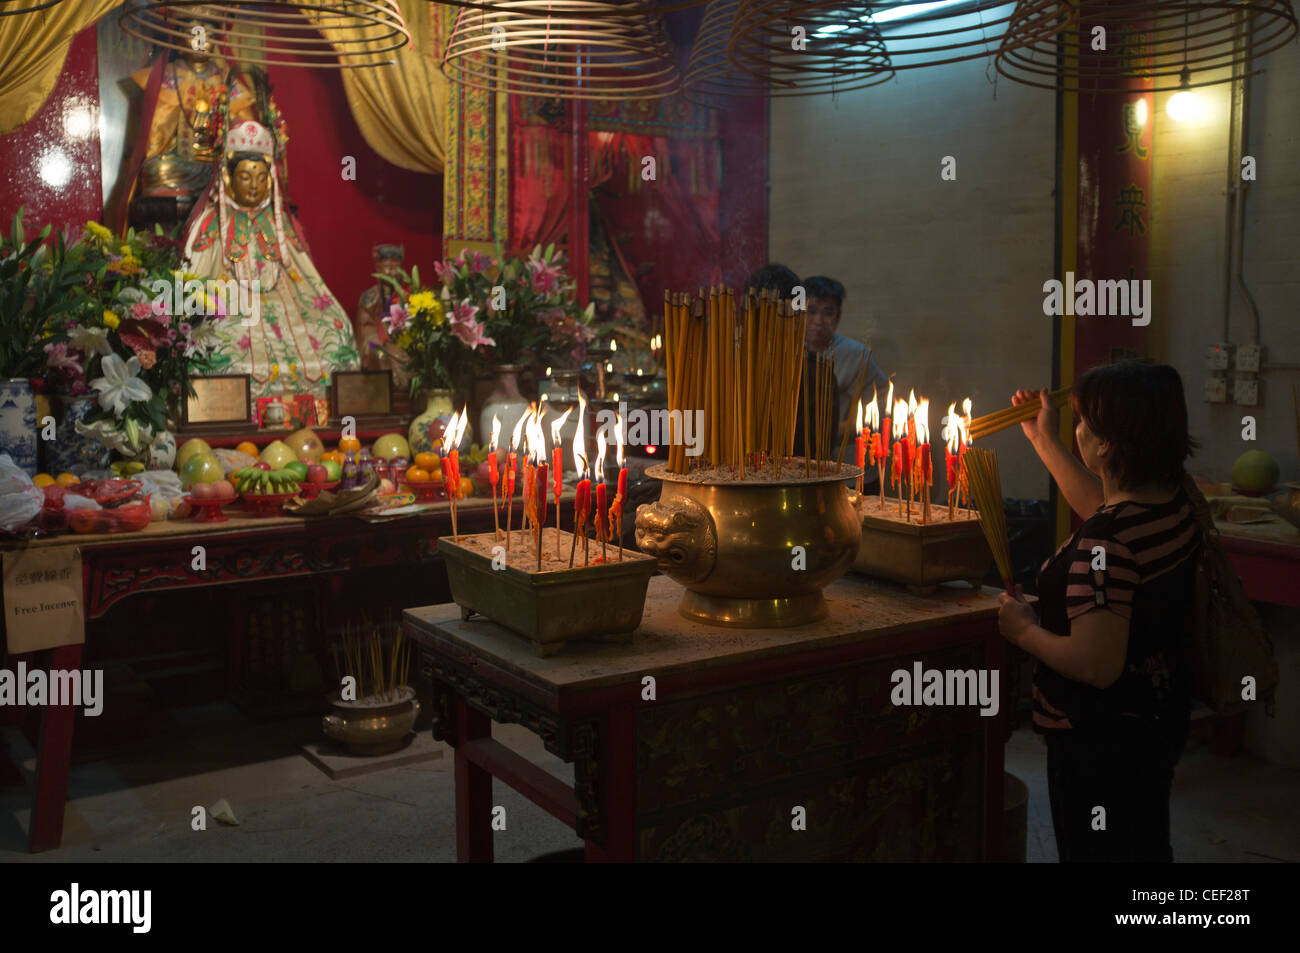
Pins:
x: 549, y: 608
x: 921, y: 555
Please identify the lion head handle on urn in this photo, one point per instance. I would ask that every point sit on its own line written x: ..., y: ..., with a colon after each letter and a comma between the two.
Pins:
x: 680, y: 534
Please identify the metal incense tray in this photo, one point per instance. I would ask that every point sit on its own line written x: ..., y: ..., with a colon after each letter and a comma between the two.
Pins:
x: 552, y: 607
x: 921, y: 555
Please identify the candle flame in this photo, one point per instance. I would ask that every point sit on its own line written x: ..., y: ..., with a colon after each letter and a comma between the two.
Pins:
x: 580, y: 438
x: 923, y: 421
x: 600, y: 455
x: 965, y: 427
x: 873, y: 412
x: 496, y: 432
x: 620, y: 436
x: 537, y: 437
x: 519, y: 430
x: 911, y: 403
x: 558, y: 425
x: 889, y: 400
x: 952, y: 430
x: 455, y: 430
x: 859, y: 430
x: 613, y: 345
x: 900, y: 420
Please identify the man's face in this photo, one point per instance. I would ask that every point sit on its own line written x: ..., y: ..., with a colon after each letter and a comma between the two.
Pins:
x: 251, y: 183
x: 389, y: 267
x: 823, y: 316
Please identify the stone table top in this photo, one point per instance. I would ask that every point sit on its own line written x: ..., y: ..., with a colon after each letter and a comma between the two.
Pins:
x: 860, y: 609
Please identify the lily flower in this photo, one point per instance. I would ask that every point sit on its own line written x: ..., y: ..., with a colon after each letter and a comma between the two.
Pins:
x: 120, y: 384
x: 91, y: 340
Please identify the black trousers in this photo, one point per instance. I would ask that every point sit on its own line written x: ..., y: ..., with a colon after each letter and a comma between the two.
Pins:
x: 1109, y: 790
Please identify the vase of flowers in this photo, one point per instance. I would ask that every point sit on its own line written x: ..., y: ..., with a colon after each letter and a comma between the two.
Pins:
x: 37, y: 278
x: 71, y: 451
x: 438, y: 341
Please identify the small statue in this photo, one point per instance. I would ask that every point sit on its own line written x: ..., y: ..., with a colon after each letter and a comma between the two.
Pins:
x: 378, y: 353
x: 242, y: 232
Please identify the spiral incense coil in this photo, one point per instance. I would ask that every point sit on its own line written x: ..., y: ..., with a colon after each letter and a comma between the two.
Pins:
x: 9, y: 8
x: 327, y: 34
x: 568, y: 49
x: 1177, y: 44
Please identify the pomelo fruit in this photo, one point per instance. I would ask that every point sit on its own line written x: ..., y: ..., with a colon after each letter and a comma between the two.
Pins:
x: 278, y: 454
x: 305, y: 444
x: 392, y: 445
x: 189, y: 448
x: 1255, y: 473
x: 200, y: 468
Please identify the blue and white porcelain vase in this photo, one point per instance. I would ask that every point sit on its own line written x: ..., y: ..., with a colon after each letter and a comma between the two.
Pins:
x: 18, y: 423
x: 70, y: 451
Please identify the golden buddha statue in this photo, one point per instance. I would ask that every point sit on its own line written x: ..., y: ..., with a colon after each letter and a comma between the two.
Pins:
x: 242, y: 230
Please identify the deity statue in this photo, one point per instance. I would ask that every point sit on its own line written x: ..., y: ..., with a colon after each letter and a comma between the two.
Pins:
x: 198, y: 96
x: 378, y: 353
x: 297, y: 334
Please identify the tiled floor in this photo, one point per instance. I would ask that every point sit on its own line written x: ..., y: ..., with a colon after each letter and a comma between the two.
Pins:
x: 132, y: 805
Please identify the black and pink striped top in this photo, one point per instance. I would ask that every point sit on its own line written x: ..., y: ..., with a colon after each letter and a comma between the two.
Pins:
x: 1136, y: 560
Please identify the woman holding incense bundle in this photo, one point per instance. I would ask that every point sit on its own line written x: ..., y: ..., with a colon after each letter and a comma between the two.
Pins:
x: 1111, y: 686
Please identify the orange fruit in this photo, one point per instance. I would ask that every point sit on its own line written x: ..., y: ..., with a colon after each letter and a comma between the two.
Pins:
x: 349, y: 443
x: 249, y: 448
x: 333, y: 455
x: 417, y: 475
x: 466, y: 488
x: 43, y: 480
x: 67, y: 479
x: 428, y: 461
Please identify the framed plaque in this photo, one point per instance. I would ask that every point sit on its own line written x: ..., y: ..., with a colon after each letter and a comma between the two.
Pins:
x: 223, y: 401
x: 361, y: 394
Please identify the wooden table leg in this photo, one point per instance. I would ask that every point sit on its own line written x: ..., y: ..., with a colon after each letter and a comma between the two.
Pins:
x: 617, y: 786
x: 53, y: 759
x: 473, y: 789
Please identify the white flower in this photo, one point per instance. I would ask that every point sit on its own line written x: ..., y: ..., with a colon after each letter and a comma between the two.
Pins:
x: 202, y: 339
x: 119, y: 386
x: 91, y: 340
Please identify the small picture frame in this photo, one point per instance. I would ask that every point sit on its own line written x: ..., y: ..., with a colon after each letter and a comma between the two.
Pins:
x: 220, y: 401
x: 361, y: 394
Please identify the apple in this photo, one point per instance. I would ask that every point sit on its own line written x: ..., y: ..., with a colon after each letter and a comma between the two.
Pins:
x: 317, y: 474
x: 332, y: 471
x: 203, y: 491
x: 223, y: 490
x: 483, y: 472
x: 263, y: 466
x: 387, y: 486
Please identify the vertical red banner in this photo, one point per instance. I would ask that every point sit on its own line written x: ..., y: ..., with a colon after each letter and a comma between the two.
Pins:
x: 1115, y: 144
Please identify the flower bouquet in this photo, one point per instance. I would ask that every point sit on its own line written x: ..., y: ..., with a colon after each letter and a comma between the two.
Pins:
x: 36, y: 282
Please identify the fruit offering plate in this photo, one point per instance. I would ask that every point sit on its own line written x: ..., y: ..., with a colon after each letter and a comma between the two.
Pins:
x: 267, y: 504
x: 309, y: 491
x: 430, y: 492
x: 209, y: 511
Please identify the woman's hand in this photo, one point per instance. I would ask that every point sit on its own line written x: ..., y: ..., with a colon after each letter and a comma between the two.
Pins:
x: 1047, y: 424
x: 1015, y: 616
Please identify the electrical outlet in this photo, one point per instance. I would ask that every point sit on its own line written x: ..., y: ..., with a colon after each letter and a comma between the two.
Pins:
x: 1216, y: 390
x: 1249, y: 357
x: 1245, y: 391
x: 1217, y: 357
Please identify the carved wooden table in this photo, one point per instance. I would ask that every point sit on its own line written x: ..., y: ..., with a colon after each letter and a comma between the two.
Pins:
x: 160, y: 558
x: 746, y: 726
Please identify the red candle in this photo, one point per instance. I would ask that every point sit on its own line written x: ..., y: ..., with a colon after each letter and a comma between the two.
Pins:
x: 622, y: 483
x: 494, y: 473
x: 950, y: 460
x: 529, y: 487
x: 557, y: 466
x: 927, y: 465
x: 510, y: 475
x: 539, y: 494
x: 582, y: 505
x: 600, y: 509
x: 898, y: 459
x: 860, y: 445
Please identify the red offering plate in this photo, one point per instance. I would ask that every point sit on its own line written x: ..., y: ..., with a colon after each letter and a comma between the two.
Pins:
x: 209, y: 511
x: 267, y: 504
x: 309, y: 491
x: 426, y: 492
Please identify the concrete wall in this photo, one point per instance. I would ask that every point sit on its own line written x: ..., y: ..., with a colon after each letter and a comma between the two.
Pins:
x: 1187, y: 258
x: 944, y: 278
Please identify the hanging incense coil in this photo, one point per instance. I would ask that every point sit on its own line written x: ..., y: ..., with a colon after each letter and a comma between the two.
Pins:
x: 326, y: 34
x: 567, y: 49
x: 1176, y: 44
x: 10, y: 8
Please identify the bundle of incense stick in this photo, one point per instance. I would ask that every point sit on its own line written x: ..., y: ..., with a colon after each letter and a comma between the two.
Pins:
x: 742, y: 367
x: 986, y: 487
x: 859, y: 382
x: 823, y: 422
x: 1009, y: 416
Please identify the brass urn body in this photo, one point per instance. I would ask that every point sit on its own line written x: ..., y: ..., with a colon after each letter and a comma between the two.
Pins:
x: 752, y: 554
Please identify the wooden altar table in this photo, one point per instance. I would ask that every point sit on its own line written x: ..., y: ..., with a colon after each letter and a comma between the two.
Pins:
x: 747, y: 725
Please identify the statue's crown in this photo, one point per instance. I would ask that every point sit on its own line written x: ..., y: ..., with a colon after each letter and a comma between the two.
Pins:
x: 250, y: 136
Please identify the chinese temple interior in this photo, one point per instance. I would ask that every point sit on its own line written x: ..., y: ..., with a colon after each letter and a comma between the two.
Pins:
x: 620, y: 430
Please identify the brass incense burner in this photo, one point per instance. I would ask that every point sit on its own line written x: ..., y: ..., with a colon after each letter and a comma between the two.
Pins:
x: 732, y: 544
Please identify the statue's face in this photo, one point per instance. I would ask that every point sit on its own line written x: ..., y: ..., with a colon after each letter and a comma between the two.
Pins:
x: 251, y: 183
x: 390, y: 267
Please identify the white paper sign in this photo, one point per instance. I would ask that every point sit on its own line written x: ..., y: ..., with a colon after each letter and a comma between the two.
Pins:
x: 43, y: 598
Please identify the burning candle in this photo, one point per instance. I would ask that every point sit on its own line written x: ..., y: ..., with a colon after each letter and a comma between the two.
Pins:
x: 494, y: 474
x: 616, y: 508
x: 451, y: 462
x: 952, y: 440
x: 557, y: 465
x: 582, y: 497
x: 600, y: 491
x: 886, y: 430
x: 926, y: 464
x: 860, y: 447
x: 902, y: 459
x: 539, y: 493
x: 961, y: 453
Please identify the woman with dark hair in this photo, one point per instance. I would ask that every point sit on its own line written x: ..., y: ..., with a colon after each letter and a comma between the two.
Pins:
x: 1110, y: 684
